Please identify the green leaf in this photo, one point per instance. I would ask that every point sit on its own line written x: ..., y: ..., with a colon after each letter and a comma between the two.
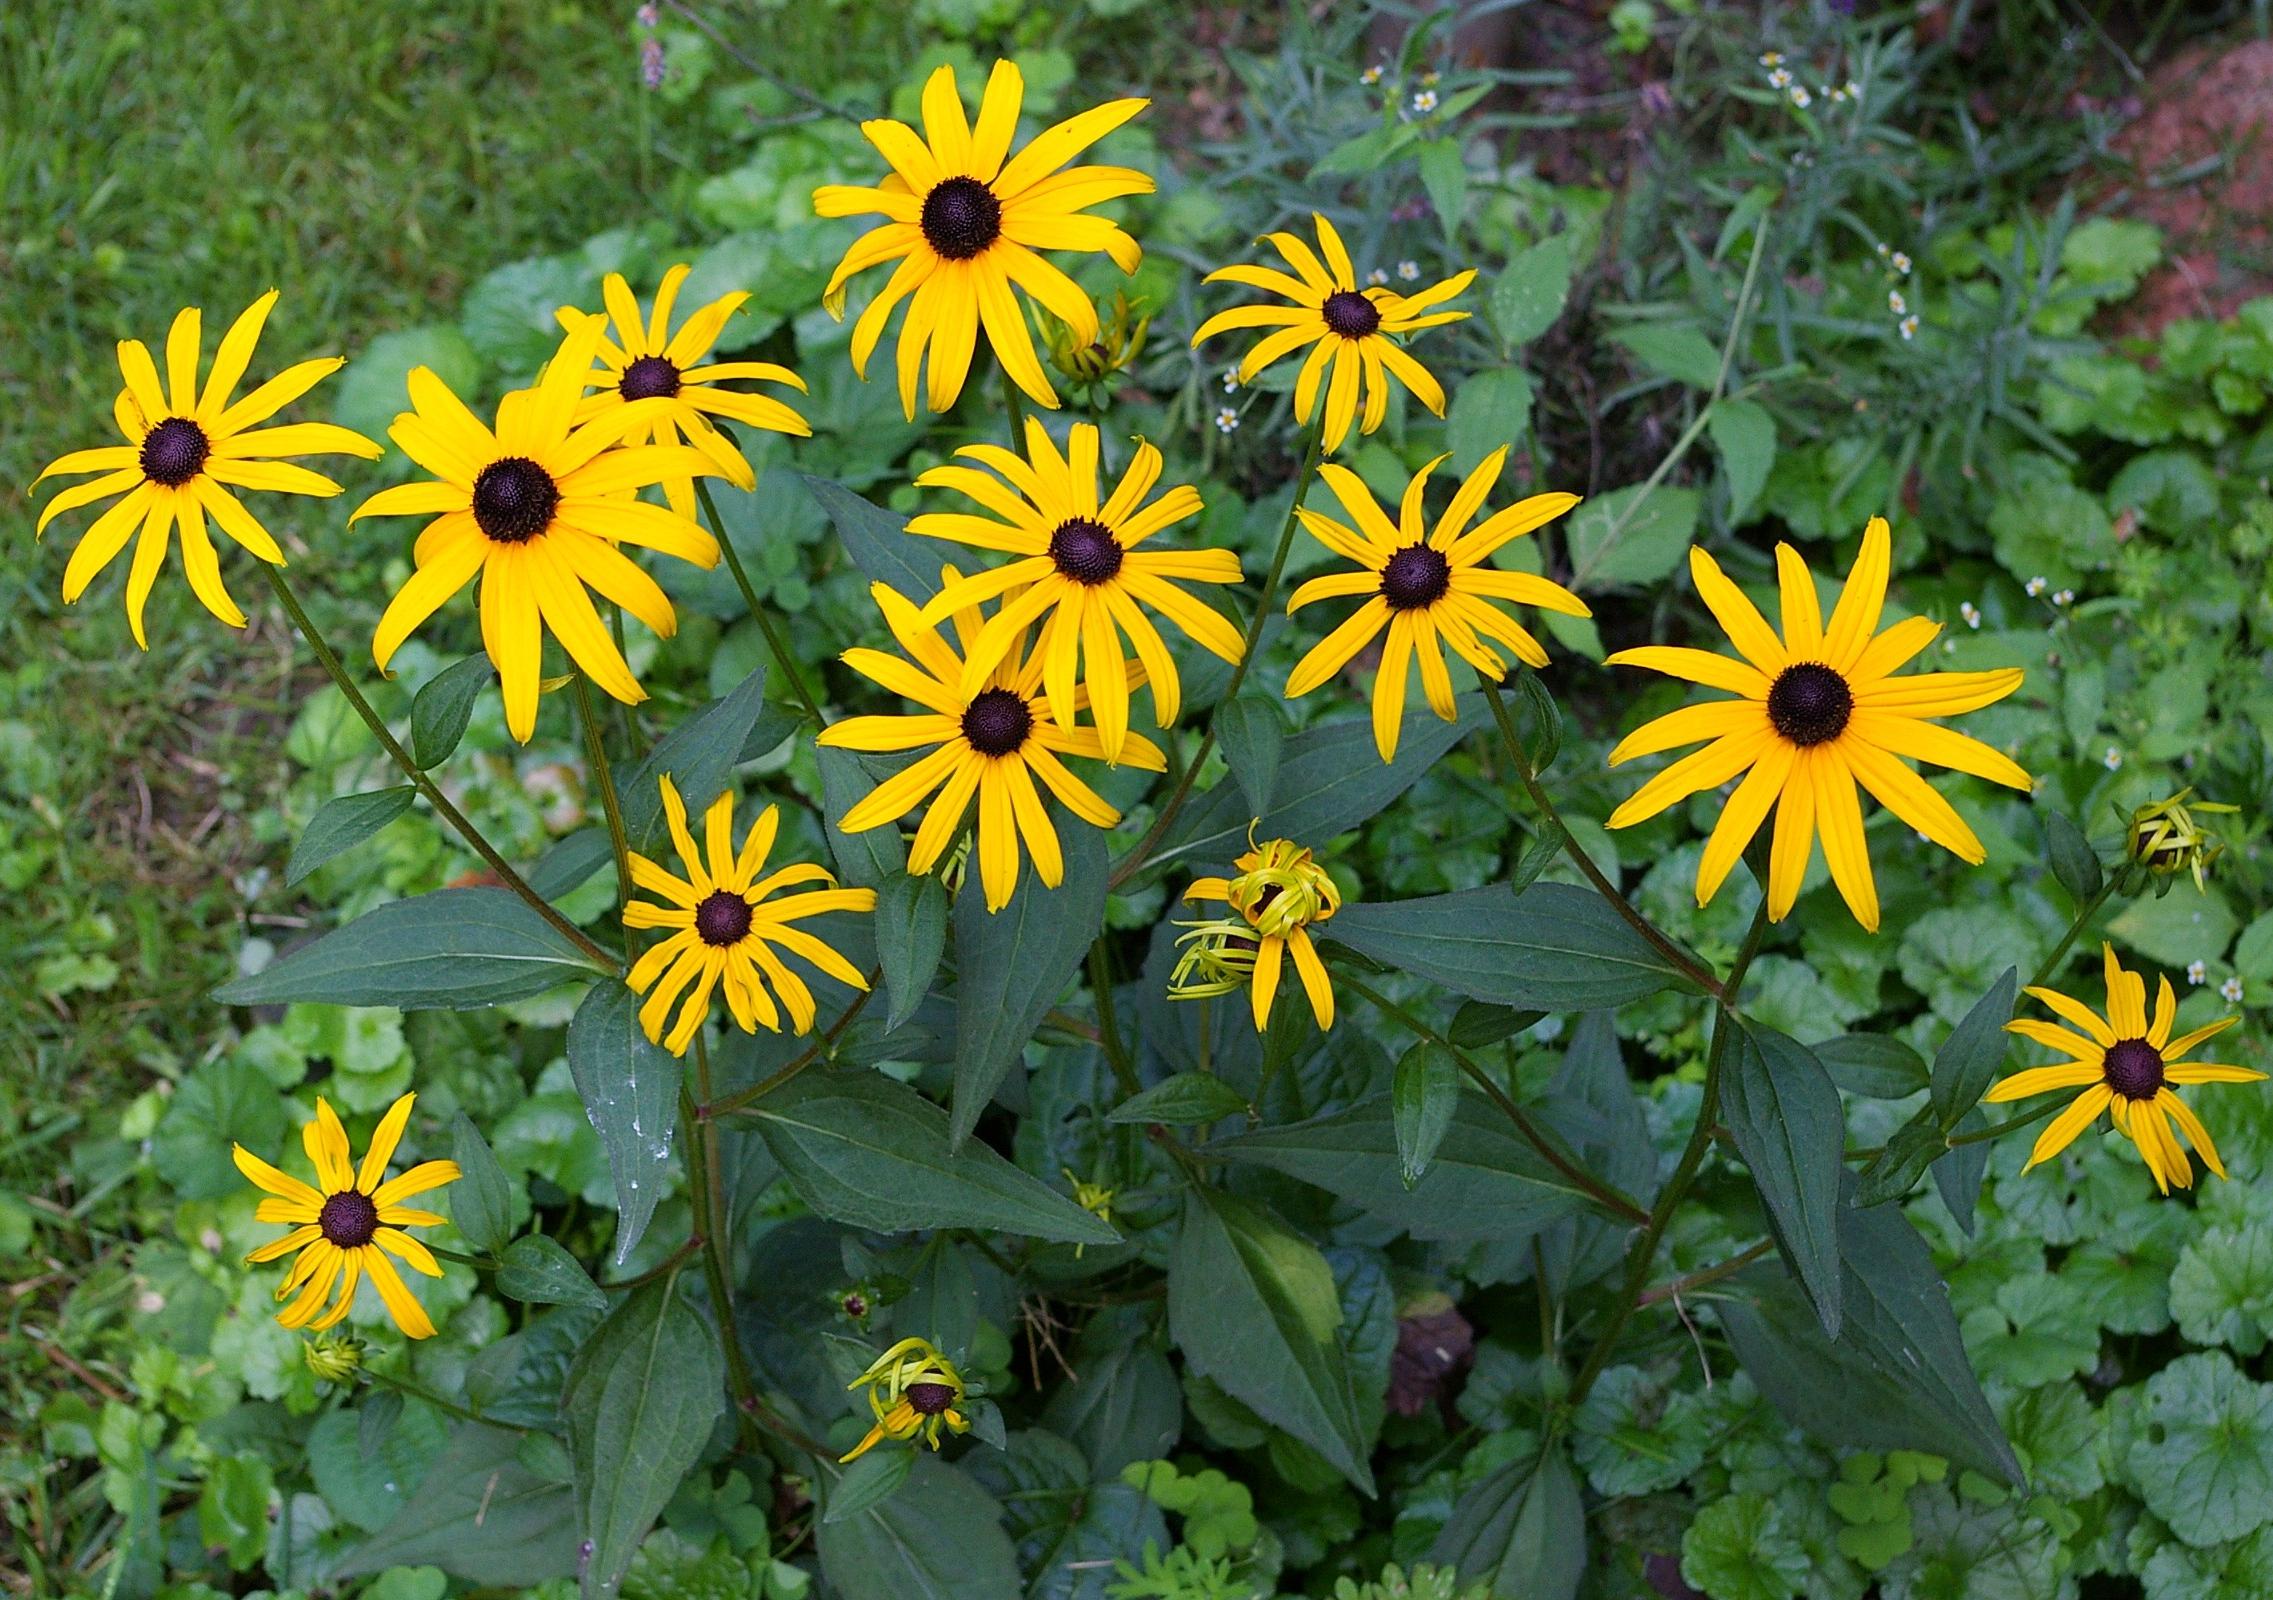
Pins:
x: 1673, y: 350
x: 1908, y: 1152
x: 1784, y: 1113
x: 630, y: 1089
x: 1012, y: 964
x: 479, y: 1514
x: 1968, y: 1060
x: 863, y: 1150
x: 1476, y: 1024
x: 700, y: 755
x: 539, y: 1271
x: 1554, y: 947
x: 1188, y: 1099
x: 1634, y: 535
x: 1872, y: 1065
x: 911, y: 935
x: 1253, y: 1306
x: 1737, y: 1549
x: 1123, y: 1406
x: 1635, y: 1434
x: 343, y: 823
x: 640, y: 1400
x: 570, y: 863
x: 2203, y: 1458
x: 877, y: 541
x: 1484, y: 1182
x: 443, y: 706
x: 233, y: 1508
x: 1330, y: 779
x: 452, y: 950
x: 939, y: 1538
x: 1422, y: 1097
x: 1445, y: 176
x: 1531, y: 290
x: 481, y: 1201
x: 873, y: 857
x: 375, y: 387
x: 1745, y: 436
x: 1488, y: 411
x: 222, y: 1102
x: 2074, y: 862
x: 1252, y: 731
x: 1521, y: 1530
x: 2221, y: 1290
x: 870, y: 1481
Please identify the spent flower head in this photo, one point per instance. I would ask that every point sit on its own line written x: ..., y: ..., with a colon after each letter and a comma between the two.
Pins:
x: 2167, y: 837
x: 915, y: 1392
x: 1279, y: 893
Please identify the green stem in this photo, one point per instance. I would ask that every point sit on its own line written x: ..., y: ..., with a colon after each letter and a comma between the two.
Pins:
x: 1016, y: 405
x: 443, y: 807
x: 1643, y: 1256
x: 1601, y: 1193
x: 706, y: 1193
x: 2084, y: 915
x: 603, y: 778
x: 1708, y: 1275
x: 1680, y: 959
x: 743, y: 1099
x: 485, y: 1263
x: 775, y: 643
x: 1108, y: 1027
x: 664, y: 1268
x: 419, y: 1391
x: 1134, y: 861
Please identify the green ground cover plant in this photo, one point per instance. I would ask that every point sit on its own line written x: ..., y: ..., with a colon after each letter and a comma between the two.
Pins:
x: 1499, y: 1181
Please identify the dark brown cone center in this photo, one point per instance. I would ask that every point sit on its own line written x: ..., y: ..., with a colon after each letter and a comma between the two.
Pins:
x: 997, y: 722
x: 514, y: 500
x: 174, y: 451
x: 1085, y: 550
x: 349, y: 1219
x: 722, y: 918
x: 930, y: 1399
x: 648, y: 378
x: 1810, y: 703
x: 1351, y: 314
x: 1415, y: 576
x: 961, y: 217
x: 2134, y: 1069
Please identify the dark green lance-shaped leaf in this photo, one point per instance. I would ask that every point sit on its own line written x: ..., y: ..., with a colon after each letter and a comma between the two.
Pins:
x: 538, y: 1271
x: 939, y: 1538
x: 1422, y: 1098
x: 1958, y: 1172
x: 571, y: 861
x: 911, y: 935
x: 343, y: 823
x: 878, y: 542
x: 1485, y: 1181
x: 1477, y: 1024
x: 2074, y: 862
x: 869, y: 1481
x: 700, y: 755
x: 1189, y: 1099
x: 1012, y: 964
x: 1783, y: 1111
x: 1542, y: 720
x: 1121, y: 1403
x: 1252, y: 731
x: 630, y: 1089
x: 479, y: 1514
x: 442, y: 707
x: 864, y: 1150
x: 481, y: 1201
x: 1968, y: 1060
x: 1554, y: 947
x: 1330, y: 779
x: 452, y: 950
x: 1908, y: 1152
x: 1521, y: 1531
x: 873, y: 857
x: 1872, y: 1065
x: 639, y: 1403
x: 1537, y: 857
x: 1253, y: 1306
x: 1896, y: 1378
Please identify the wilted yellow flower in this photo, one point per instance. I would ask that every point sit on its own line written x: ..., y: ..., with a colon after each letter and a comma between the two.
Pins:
x: 914, y: 1391
x: 2164, y: 838
x: 2126, y: 1066
x: 1279, y: 894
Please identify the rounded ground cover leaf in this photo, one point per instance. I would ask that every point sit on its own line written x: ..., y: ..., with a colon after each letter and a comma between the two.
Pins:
x: 2204, y: 1461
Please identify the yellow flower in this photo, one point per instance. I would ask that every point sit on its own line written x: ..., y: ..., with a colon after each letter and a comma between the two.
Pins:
x: 180, y: 461
x: 1279, y: 894
x: 1080, y: 574
x: 993, y: 744
x: 1094, y: 1198
x: 2126, y: 1066
x: 345, y: 1230
x: 537, y: 508
x: 723, y: 926
x: 1821, y: 710
x: 964, y: 223
x: 914, y: 1391
x: 647, y: 361
x: 1428, y: 589
x: 1348, y: 328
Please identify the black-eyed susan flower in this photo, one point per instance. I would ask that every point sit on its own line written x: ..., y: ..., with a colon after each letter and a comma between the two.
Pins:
x: 965, y: 219
x: 990, y: 744
x: 915, y: 1392
x: 1820, y: 710
x: 2126, y: 1066
x: 186, y: 449
x: 537, y: 507
x: 1428, y: 588
x: 344, y: 1230
x: 1353, y: 332
x: 1081, y: 576
x: 646, y: 360
x: 1279, y: 894
x: 725, y: 925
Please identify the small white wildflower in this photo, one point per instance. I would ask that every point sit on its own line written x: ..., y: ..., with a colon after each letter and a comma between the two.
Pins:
x: 1908, y: 327
x: 1854, y: 89
x: 1779, y: 79
x: 1799, y: 96
x: 2197, y: 972
x: 1408, y: 270
x: 2036, y: 586
x: 1896, y: 304
x: 1771, y: 58
x: 1429, y: 79
x: 1835, y: 93
x: 1230, y: 380
x: 1970, y: 612
x: 1376, y: 277
x: 1899, y: 262
x: 1424, y: 102
x: 1227, y: 421
x: 2112, y: 760
x: 2065, y: 597
x: 1371, y: 75
x: 2231, y: 991
x: 1882, y: 249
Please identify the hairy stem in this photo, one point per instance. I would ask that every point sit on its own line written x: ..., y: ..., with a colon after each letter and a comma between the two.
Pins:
x: 776, y: 645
